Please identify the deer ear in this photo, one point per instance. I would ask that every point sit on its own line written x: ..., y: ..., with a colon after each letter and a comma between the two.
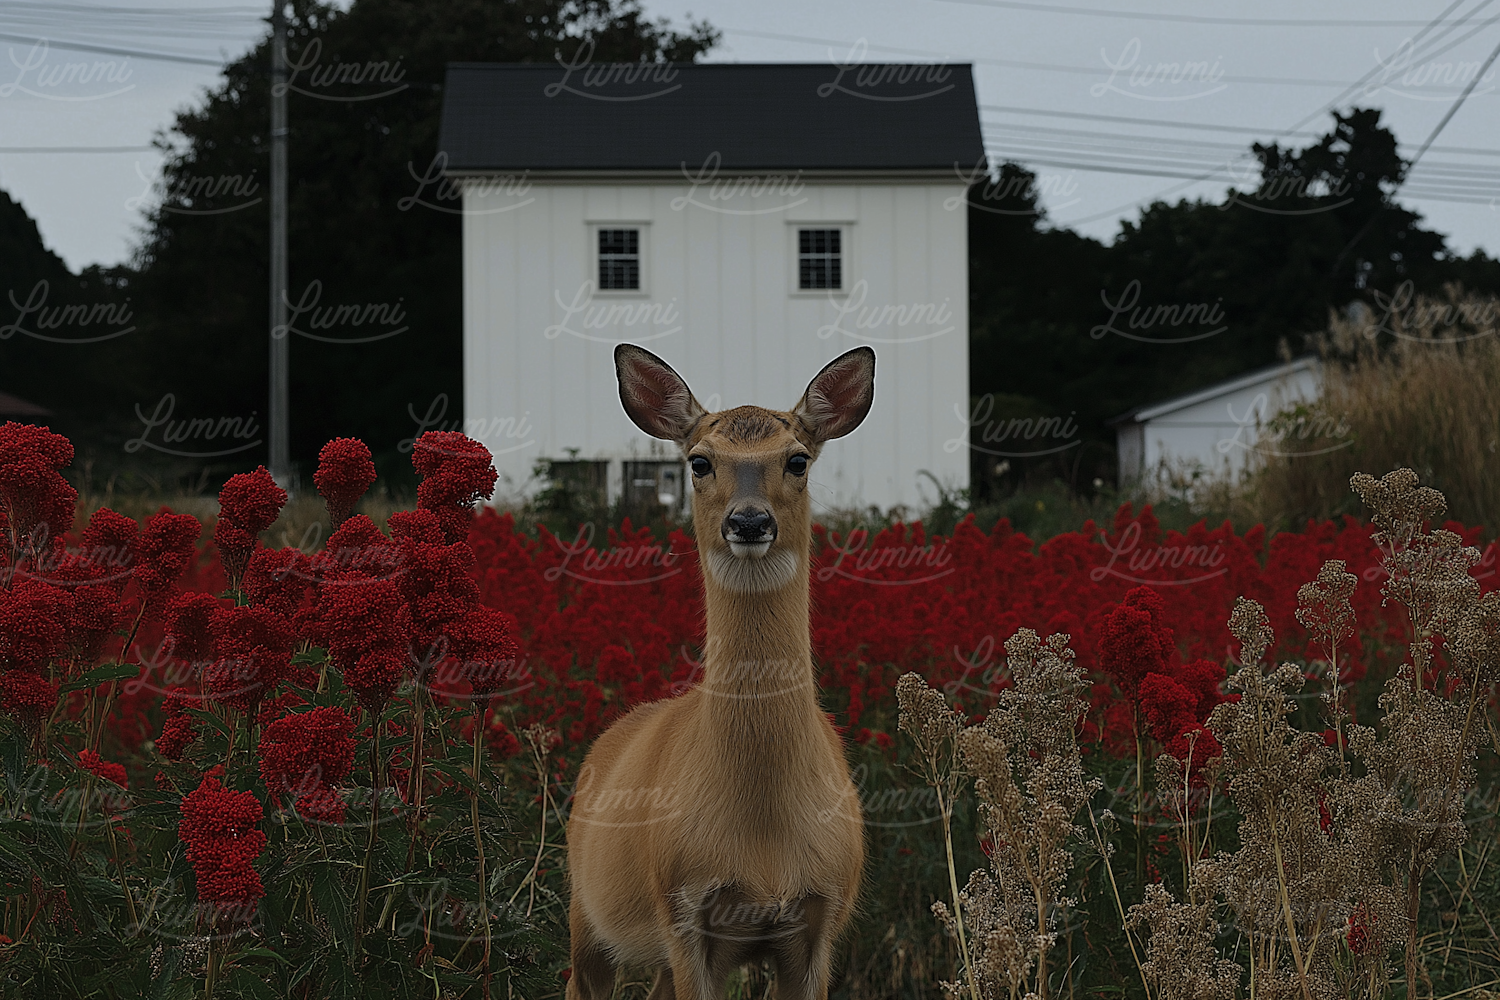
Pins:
x: 655, y: 397
x: 839, y: 397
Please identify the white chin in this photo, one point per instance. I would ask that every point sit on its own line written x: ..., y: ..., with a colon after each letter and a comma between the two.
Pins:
x: 739, y: 571
x: 750, y: 550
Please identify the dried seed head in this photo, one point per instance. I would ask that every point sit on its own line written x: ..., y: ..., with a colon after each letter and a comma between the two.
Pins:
x: 1248, y: 624
x: 1323, y: 605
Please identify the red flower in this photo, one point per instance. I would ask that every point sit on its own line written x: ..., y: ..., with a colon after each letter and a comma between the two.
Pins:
x: 345, y: 472
x: 162, y: 553
x: 101, y: 768
x: 1167, y: 706
x: 1195, y: 747
x: 1360, y: 936
x: 275, y: 579
x: 31, y: 625
x: 177, y: 729
x: 188, y: 618
x: 456, y: 474
x: 109, y: 546
x: 481, y: 642
x: 358, y: 621
x: 1202, y: 678
x: 36, y: 502
x: 252, y: 647
x: 27, y: 696
x: 249, y: 503
x: 1133, y: 642
x: 221, y: 830
x: 305, y: 757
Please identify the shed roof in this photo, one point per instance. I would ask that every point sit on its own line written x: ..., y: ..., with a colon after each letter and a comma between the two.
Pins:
x: 14, y: 406
x: 1260, y: 376
x: 730, y: 116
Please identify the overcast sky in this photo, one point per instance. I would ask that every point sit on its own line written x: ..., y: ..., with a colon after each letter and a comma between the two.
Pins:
x: 1112, y: 105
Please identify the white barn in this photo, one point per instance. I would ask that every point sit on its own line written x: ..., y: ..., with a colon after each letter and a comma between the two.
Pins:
x: 747, y: 223
x: 1217, y: 429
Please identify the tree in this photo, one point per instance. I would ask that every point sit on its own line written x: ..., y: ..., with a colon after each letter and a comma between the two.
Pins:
x: 1198, y: 291
x: 364, y: 116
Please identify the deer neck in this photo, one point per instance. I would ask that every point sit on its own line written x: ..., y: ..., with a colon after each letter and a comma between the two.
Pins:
x: 757, y: 675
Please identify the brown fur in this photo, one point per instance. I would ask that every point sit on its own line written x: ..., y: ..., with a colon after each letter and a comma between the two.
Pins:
x: 722, y: 827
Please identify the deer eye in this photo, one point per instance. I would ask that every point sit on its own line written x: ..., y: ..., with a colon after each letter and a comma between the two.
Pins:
x: 797, y: 465
x: 701, y: 465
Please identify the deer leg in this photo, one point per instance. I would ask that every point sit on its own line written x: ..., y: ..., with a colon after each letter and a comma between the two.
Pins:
x: 593, y: 975
x: 714, y: 933
x: 802, y: 949
x: 663, y: 989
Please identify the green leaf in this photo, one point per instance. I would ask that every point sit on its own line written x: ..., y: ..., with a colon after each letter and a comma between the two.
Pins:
x: 259, y: 953
x: 101, y: 674
x: 209, y: 718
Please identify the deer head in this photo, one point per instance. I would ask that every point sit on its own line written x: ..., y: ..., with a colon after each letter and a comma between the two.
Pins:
x: 751, y: 509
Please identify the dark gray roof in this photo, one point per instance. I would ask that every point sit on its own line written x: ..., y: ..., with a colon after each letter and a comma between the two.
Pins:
x: 782, y: 116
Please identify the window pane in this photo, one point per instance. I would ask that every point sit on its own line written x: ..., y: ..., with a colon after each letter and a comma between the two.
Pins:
x: 819, y: 258
x: 619, y: 258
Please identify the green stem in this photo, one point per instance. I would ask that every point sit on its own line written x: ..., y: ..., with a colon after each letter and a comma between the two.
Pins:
x: 484, y: 905
x: 213, y: 969
x: 414, y: 795
x: 1120, y: 904
x: 946, y: 809
x: 364, y: 874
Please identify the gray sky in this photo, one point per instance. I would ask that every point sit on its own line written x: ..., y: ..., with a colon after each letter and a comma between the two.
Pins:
x: 1200, y: 81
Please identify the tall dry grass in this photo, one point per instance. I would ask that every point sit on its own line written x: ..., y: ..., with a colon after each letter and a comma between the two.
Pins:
x: 1413, y: 382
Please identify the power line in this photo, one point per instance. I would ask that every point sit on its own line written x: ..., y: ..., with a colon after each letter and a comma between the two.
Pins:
x: 1198, y: 126
x: 1189, y: 182
x: 75, y: 149
x: 150, y: 11
x: 113, y: 51
x: 1247, y: 22
x: 1450, y: 26
x: 1015, y: 63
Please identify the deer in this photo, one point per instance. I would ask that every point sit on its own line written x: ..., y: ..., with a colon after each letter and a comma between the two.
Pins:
x: 722, y: 827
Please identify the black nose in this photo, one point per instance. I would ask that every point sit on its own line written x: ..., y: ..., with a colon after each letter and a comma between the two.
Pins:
x: 749, y: 525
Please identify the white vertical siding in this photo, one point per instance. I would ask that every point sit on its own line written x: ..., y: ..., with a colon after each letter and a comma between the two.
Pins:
x: 721, y: 307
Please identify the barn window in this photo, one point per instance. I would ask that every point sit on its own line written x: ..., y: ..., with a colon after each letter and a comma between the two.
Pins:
x: 820, y: 257
x: 619, y: 259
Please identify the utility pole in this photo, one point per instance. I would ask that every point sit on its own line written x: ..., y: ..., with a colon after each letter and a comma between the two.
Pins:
x: 280, y: 440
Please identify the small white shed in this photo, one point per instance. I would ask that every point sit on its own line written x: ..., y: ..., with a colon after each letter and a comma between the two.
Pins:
x: 747, y: 223
x: 1216, y: 430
